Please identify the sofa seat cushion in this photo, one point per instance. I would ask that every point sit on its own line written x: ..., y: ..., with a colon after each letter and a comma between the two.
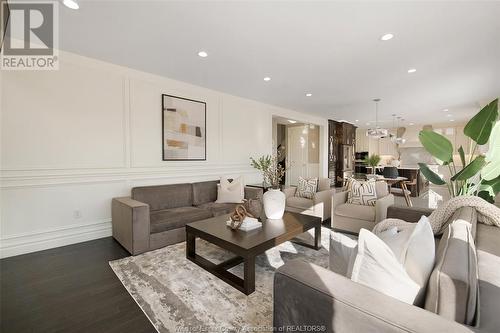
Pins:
x: 218, y: 208
x: 168, y: 219
x: 361, y: 212
x: 300, y: 203
x: 488, y: 254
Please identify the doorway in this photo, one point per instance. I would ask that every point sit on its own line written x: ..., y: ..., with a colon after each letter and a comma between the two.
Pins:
x: 297, y: 147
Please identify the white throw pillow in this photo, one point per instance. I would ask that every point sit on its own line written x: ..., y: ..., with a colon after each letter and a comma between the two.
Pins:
x: 343, y: 250
x: 414, y: 246
x: 377, y: 267
x: 230, y: 192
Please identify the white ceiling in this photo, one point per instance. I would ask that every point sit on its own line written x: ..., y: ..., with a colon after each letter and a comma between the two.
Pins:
x: 330, y: 49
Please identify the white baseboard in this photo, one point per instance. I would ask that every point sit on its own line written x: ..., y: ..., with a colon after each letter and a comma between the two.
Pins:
x: 26, y: 243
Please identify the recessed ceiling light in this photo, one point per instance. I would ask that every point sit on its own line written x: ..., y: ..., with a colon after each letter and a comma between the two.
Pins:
x: 71, y: 4
x: 309, y: 94
x: 356, y: 120
x: 292, y: 121
x: 452, y: 119
x: 203, y: 54
x: 446, y: 110
x: 387, y: 37
x: 267, y: 78
x: 412, y: 70
x: 411, y: 124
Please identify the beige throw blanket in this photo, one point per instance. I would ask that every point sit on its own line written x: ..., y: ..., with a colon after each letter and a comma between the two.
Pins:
x: 439, y: 218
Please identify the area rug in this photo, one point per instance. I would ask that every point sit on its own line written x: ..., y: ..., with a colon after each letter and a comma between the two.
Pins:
x: 179, y: 296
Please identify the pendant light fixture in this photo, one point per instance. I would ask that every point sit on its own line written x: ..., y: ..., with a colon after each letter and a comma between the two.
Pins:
x: 377, y: 132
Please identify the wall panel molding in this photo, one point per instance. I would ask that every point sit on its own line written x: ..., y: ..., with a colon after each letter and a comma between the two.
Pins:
x: 170, y: 175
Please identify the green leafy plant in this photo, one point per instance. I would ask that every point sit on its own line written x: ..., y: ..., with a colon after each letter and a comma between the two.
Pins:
x: 373, y: 161
x: 272, y: 171
x: 480, y: 174
x: 262, y: 163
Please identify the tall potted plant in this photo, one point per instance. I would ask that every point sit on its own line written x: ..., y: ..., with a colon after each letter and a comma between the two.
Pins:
x: 373, y: 161
x: 480, y: 173
x: 272, y: 172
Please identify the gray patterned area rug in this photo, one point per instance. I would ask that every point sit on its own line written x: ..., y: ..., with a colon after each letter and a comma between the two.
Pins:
x: 179, y: 296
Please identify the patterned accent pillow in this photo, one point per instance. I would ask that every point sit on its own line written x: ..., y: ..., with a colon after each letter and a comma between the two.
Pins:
x: 306, y: 187
x: 362, y: 193
x: 347, y: 184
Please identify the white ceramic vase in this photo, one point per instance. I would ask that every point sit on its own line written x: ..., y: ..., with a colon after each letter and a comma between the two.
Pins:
x: 274, y: 204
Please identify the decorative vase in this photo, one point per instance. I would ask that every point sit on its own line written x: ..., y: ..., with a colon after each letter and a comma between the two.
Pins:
x: 274, y: 204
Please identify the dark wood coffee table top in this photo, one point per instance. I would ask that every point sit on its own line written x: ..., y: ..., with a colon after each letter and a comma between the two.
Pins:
x: 292, y: 223
x: 247, y: 244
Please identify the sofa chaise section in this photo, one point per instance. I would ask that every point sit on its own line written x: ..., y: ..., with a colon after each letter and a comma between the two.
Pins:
x: 459, y: 298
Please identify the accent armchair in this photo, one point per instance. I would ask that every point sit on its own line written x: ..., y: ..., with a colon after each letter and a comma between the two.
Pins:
x: 318, y: 206
x: 352, y: 217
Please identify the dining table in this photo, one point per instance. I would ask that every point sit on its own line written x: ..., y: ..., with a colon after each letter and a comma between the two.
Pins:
x: 402, y: 184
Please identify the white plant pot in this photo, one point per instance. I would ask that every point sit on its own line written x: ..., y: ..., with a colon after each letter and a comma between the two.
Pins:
x: 274, y: 204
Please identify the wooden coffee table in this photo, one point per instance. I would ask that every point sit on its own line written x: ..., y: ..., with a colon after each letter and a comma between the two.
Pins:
x: 247, y: 245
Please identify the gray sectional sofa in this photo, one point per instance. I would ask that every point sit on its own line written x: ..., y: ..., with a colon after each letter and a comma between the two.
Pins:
x: 155, y: 216
x: 463, y: 293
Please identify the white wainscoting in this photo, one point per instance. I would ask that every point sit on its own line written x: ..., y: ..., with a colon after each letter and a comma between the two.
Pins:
x: 73, y: 139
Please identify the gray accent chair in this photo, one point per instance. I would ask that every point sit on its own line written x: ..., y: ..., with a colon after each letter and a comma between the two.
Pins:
x: 351, y: 217
x: 318, y: 206
x: 463, y: 292
x: 155, y: 216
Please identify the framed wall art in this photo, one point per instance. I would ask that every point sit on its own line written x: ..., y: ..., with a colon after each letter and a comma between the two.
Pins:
x: 184, y: 125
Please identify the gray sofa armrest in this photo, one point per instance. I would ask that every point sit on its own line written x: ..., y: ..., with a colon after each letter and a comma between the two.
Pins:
x: 253, y: 192
x: 409, y: 214
x: 289, y: 191
x: 339, y: 198
x: 381, y: 206
x: 130, y: 220
x: 322, y: 203
x: 306, y: 294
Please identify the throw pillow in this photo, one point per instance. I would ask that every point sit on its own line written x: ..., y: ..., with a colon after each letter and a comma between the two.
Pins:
x: 414, y: 247
x: 230, y: 192
x: 377, y: 267
x: 306, y: 188
x: 362, y: 193
x: 344, y: 248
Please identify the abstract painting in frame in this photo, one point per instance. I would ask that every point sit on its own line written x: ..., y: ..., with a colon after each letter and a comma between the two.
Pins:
x: 184, y: 124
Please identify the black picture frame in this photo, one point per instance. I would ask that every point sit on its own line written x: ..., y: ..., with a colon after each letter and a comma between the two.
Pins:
x: 163, y: 110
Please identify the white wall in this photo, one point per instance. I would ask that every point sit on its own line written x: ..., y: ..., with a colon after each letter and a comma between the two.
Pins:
x: 75, y: 138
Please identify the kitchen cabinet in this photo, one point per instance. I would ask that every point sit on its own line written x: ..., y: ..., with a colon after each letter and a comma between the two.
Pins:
x: 348, y: 133
x: 341, y: 145
x: 332, y: 150
x: 373, y: 147
x: 362, y: 141
x: 387, y: 147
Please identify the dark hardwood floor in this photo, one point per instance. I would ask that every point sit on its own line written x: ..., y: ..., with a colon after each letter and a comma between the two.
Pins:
x: 68, y: 289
